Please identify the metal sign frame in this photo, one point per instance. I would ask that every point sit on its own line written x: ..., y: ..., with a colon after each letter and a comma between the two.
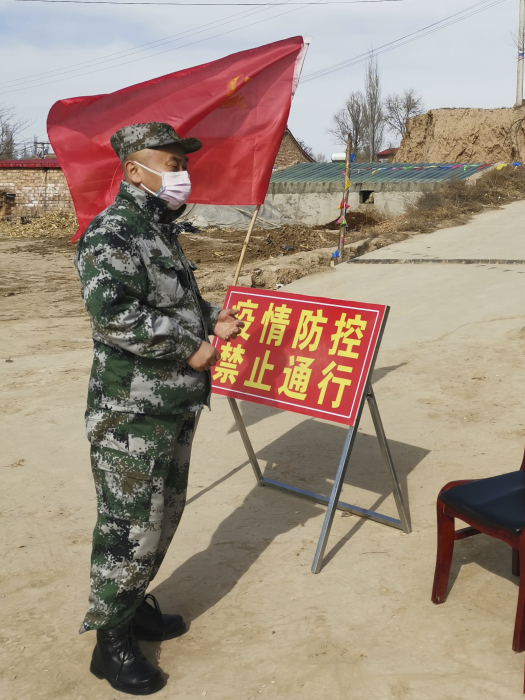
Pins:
x: 333, y: 501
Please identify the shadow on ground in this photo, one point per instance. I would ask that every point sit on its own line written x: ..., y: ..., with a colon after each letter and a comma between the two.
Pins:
x: 489, y: 553
x: 306, y: 456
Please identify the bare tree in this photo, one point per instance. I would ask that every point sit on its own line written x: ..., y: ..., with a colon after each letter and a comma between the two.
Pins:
x: 350, y: 120
x: 317, y: 157
x: 373, y: 109
x: 398, y: 109
x: 306, y: 148
x: 10, y: 131
x: 362, y: 116
x: 7, y: 136
x: 28, y: 149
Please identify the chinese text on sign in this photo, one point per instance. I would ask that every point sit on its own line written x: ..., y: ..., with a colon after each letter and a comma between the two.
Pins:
x: 305, y: 354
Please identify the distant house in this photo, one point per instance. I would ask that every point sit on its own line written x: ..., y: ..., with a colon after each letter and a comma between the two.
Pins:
x: 290, y: 152
x: 386, y: 156
x: 32, y: 187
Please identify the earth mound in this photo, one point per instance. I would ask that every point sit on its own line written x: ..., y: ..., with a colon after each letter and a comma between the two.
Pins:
x: 465, y: 136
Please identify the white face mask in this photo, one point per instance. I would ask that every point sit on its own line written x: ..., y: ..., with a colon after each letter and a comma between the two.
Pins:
x: 176, y: 187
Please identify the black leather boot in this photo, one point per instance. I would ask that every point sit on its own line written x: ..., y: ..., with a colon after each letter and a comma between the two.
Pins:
x: 151, y: 625
x: 118, y: 658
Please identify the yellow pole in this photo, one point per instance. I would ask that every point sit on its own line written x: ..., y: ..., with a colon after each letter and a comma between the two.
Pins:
x: 245, y: 245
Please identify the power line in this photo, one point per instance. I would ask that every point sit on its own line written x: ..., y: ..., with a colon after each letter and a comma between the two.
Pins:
x: 364, y: 56
x: 295, y: 9
x: 16, y: 84
x: 211, y: 4
x: 521, y: 49
x: 397, y: 43
x: 386, y: 47
x: 36, y: 77
x: 408, y: 38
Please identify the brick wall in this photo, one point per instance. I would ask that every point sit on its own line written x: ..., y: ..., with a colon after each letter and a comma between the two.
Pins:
x: 290, y: 153
x: 38, y: 191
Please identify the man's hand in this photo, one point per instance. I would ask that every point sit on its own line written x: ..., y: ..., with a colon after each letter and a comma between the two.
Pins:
x: 227, y: 326
x: 204, y: 357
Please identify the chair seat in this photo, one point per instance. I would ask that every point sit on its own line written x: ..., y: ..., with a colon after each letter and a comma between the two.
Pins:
x: 498, y: 501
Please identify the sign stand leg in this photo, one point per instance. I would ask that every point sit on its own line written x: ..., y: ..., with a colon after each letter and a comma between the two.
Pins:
x: 334, y: 499
x: 385, y: 450
x: 246, y: 440
x: 333, y: 503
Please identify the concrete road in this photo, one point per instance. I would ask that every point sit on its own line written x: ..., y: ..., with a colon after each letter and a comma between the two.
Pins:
x: 497, y: 233
x: 450, y: 383
x: 431, y: 299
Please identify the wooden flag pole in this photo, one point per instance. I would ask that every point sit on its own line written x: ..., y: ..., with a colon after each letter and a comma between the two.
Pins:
x: 342, y: 230
x: 245, y: 245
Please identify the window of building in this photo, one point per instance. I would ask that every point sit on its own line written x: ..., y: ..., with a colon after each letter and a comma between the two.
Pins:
x: 366, y: 197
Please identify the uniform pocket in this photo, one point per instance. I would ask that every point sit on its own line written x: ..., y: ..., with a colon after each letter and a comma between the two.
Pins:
x: 166, y: 276
x: 107, y: 428
x: 123, y: 483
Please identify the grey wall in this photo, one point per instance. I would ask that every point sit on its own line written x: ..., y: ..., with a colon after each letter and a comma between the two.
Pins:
x: 316, y: 209
x: 315, y: 203
x: 310, y: 203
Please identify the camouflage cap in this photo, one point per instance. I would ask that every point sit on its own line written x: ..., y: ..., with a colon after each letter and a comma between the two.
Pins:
x: 135, y: 137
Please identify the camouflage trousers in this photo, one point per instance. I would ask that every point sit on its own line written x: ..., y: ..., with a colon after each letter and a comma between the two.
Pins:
x: 140, y: 466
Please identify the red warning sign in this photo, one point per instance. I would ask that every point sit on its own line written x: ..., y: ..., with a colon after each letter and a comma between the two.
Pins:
x: 299, y: 353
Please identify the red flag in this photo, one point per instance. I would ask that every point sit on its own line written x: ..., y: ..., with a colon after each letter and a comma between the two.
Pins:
x: 238, y: 106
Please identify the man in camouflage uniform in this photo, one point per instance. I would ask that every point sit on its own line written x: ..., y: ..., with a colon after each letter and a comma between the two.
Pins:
x: 149, y: 380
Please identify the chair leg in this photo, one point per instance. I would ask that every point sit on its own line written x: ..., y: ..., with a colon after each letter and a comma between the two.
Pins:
x: 518, y: 643
x: 515, y: 562
x: 445, y: 549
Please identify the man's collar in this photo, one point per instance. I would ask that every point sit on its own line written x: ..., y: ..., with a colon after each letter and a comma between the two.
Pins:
x: 151, y: 207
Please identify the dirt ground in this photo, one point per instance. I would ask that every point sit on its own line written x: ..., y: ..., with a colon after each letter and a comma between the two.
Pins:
x: 261, y: 625
x: 274, y: 257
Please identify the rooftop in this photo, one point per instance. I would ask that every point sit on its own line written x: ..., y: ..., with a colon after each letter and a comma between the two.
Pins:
x: 379, y: 172
x: 31, y: 163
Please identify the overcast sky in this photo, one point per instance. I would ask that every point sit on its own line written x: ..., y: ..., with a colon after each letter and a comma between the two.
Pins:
x: 469, y: 64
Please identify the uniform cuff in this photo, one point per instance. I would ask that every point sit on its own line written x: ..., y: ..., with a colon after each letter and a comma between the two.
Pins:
x: 187, y: 344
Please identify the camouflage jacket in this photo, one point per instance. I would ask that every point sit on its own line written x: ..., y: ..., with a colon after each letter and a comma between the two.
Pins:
x: 147, y: 315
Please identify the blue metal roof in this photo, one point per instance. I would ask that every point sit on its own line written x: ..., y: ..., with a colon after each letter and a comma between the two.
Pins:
x: 379, y: 172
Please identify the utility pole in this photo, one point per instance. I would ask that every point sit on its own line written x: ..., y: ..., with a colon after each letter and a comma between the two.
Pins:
x: 344, y: 202
x: 521, y: 48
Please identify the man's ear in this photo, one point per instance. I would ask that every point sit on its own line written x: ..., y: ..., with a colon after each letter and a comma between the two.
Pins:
x: 132, y: 172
